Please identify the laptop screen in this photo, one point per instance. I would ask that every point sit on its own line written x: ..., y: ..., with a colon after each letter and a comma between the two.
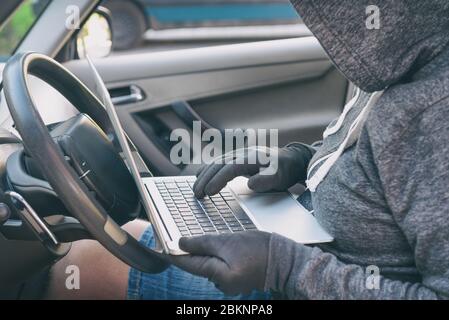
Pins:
x: 118, y: 129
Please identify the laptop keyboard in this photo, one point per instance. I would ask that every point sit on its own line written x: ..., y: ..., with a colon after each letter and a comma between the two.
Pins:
x: 220, y: 213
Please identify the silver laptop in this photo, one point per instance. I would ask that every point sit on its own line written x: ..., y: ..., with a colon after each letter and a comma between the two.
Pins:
x: 175, y: 212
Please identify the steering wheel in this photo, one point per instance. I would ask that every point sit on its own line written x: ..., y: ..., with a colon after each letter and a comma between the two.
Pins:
x: 51, y: 158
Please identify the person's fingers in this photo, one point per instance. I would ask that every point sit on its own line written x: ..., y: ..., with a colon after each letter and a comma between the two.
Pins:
x: 219, y: 180
x: 207, y: 174
x: 262, y: 183
x: 203, y: 179
x: 201, y: 246
x: 226, y: 174
x: 200, y: 170
x: 202, y: 266
x: 214, y: 177
x: 204, y: 257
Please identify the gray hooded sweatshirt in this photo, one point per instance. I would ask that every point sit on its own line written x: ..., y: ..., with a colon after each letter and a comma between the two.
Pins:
x: 386, y: 198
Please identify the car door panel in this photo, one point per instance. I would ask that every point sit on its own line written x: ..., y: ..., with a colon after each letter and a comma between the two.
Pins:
x: 289, y: 85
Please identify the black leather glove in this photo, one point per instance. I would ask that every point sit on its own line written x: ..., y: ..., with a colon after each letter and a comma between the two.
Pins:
x: 235, y: 262
x: 290, y: 168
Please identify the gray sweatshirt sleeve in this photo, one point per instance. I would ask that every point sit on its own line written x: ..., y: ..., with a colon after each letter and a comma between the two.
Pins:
x: 302, y: 272
x: 413, y: 170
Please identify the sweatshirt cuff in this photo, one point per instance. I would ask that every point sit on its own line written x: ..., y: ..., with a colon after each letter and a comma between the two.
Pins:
x: 286, y: 261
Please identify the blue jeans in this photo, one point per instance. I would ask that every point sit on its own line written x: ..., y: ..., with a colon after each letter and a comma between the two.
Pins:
x: 175, y: 284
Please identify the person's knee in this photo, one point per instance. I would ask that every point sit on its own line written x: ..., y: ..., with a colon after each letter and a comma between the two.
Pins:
x: 101, y: 275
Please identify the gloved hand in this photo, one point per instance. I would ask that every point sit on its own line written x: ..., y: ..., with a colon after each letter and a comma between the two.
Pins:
x: 233, y: 267
x: 289, y: 169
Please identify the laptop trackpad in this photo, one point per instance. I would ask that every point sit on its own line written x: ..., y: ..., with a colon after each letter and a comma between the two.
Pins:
x: 281, y: 214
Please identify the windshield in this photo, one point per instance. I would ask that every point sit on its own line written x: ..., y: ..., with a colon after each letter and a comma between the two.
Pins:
x: 17, y: 27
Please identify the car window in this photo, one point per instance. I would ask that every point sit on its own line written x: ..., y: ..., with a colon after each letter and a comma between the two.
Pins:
x: 21, y: 21
x: 170, y: 24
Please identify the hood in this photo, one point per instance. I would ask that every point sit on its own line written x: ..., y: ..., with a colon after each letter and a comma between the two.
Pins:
x: 411, y: 33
